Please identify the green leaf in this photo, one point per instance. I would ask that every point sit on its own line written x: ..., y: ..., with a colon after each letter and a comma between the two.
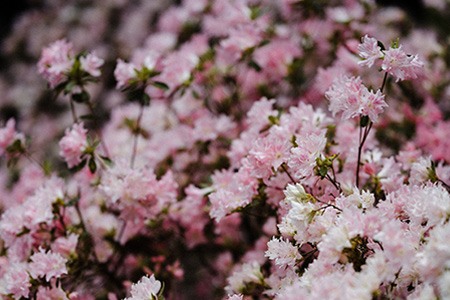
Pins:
x: 364, y: 121
x: 82, y: 97
x: 92, y: 165
x: 252, y: 64
x: 67, y: 86
x: 274, y: 120
x: 79, y: 166
x: 160, y: 85
x: 89, y: 117
x: 107, y: 160
x: 15, y: 147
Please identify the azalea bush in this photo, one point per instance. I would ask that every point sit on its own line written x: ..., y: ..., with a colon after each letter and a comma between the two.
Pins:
x: 244, y: 149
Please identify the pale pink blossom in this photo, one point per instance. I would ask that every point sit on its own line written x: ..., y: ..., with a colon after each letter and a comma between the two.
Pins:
x: 242, y: 275
x: 208, y: 127
x: 73, y: 144
x: 259, y: 113
x: 91, y: 63
x: 8, y: 135
x: 234, y: 192
x: 333, y: 242
x: 268, y: 153
x: 350, y: 97
x: 283, y: 252
x: 235, y: 297
x: 52, y: 293
x: 15, y: 281
x: 401, y: 65
x: 302, y: 159
x: 56, y: 61
x: 65, y: 245
x: 420, y: 170
x: 146, y: 288
x: 240, y: 39
x: 275, y: 58
x: 124, y: 73
x: 369, y: 51
x: 47, y: 264
x: 433, y: 139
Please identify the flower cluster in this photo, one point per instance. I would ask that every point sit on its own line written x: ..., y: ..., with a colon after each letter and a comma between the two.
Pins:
x: 225, y: 150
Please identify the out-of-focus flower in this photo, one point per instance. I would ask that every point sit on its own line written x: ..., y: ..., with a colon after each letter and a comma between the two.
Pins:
x: 73, y: 144
x: 146, y: 288
x: 56, y: 61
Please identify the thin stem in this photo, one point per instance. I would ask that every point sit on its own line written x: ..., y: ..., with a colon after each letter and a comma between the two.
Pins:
x: 363, y: 134
x: 105, y: 148
x: 122, y: 231
x: 136, y: 136
x: 84, y: 228
x: 384, y: 82
x: 72, y: 109
x: 327, y: 205
x: 33, y: 160
x: 334, y: 182
x: 287, y: 173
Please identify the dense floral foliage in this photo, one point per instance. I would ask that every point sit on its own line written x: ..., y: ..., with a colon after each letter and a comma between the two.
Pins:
x: 225, y: 149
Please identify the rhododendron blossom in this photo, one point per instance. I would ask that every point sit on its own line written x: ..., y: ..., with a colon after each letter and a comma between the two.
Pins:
x: 222, y: 149
x: 146, y: 288
x: 283, y: 252
x: 56, y: 61
x: 91, y: 64
x: 8, y: 135
x: 369, y: 50
x: 349, y: 96
x: 401, y: 65
x: 48, y: 265
x: 73, y: 144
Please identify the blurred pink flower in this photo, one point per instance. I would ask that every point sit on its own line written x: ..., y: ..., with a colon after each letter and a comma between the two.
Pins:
x: 8, y: 135
x: 47, y: 264
x: 73, y: 144
x: 91, y: 63
x: 146, y: 288
x: 56, y: 61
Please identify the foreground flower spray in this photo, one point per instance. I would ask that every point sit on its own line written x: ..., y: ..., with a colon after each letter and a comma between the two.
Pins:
x: 237, y: 150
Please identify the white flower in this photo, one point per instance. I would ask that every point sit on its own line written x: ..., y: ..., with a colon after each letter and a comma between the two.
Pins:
x: 146, y: 288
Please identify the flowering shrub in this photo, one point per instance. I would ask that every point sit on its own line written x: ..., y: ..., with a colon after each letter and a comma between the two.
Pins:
x: 225, y: 150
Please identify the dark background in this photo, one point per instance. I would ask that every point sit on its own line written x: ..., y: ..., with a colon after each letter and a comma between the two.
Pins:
x: 10, y: 10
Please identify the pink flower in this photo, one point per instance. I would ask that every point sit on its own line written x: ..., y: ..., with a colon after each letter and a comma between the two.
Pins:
x: 15, y: 280
x: 56, y: 61
x: 73, y: 144
x: 47, y: 264
x: 275, y: 58
x: 268, y: 153
x: 302, y: 159
x: 124, y: 73
x: 8, y: 135
x: 146, y: 288
x: 51, y: 293
x: 283, y: 252
x: 65, y: 245
x: 91, y: 64
x: 349, y: 96
x: 369, y: 51
x: 401, y: 65
x: 233, y: 190
x: 235, y: 297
